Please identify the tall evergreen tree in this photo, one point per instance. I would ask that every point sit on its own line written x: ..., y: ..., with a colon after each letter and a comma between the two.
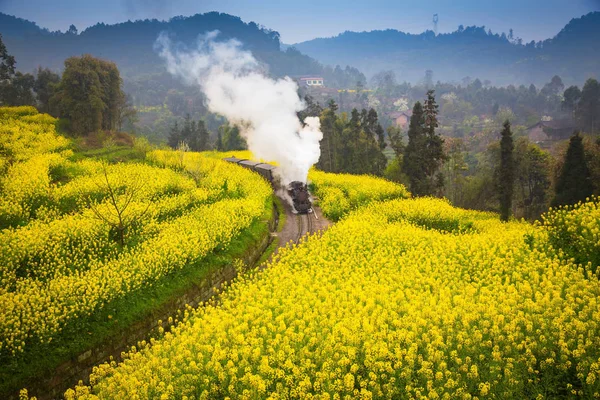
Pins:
x: 573, y: 183
x: 424, y: 154
x: 174, y: 136
x: 219, y: 143
x: 232, y: 140
x: 202, y: 135
x: 506, y: 172
x: 415, y: 153
x: 435, y: 155
x: 327, y: 161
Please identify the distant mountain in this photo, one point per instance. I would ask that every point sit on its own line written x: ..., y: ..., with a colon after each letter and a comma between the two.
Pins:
x: 130, y: 45
x: 572, y: 54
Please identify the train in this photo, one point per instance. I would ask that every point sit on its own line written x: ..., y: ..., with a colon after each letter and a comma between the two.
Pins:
x: 298, y: 191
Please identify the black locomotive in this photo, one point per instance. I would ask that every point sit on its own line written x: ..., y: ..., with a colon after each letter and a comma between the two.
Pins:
x: 298, y: 191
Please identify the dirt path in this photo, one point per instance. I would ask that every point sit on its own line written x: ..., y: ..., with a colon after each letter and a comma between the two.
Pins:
x: 298, y: 225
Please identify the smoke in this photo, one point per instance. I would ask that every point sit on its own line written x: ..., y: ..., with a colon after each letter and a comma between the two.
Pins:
x: 263, y: 108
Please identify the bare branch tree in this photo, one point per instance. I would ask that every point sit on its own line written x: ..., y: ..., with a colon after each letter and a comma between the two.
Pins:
x: 116, y: 212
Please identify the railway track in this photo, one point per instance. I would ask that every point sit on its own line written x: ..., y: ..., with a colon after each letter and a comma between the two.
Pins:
x: 305, y: 224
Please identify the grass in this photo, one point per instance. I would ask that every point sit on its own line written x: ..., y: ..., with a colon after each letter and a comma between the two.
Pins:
x: 280, y: 224
x: 111, y: 154
x: 105, y: 326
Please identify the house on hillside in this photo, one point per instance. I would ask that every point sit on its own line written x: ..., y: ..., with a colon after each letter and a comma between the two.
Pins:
x: 310, y: 81
x: 401, y: 119
x: 545, y: 131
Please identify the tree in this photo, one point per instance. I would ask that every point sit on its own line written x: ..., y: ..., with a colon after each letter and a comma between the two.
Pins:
x: 506, y: 172
x: 126, y: 112
x: 329, y: 148
x: 371, y: 143
x: 174, y: 136
x: 532, y: 172
x: 573, y: 183
x: 415, y: 153
x: 454, y: 170
x: 7, y: 63
x: 554, y: 87
x: 219, y: 142
x: 118, y: 212
x: 312, y: 109
x: 72, y: 30
x: 435, y: 155
x: 89, y: 94
x: 45, y: 86
x: 231, y: 138
x: 18, y: 90
x: 571, y: 98
x: 588, y: 108
x: 200, y: 137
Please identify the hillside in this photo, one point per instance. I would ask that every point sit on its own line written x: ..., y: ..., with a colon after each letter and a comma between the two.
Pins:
x: 473, y: 51
x: 130, y: 45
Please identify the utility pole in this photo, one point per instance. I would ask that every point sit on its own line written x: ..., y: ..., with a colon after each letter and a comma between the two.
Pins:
x: 435, y: 24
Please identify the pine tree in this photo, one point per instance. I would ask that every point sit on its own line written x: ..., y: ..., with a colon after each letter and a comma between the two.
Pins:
x: 435, y: 145
x: 506, y: 172
x: 424, y: 154
x: 219, y: 143
x: 174, y: 136
x: 415, y: 153
x: 328, y: 143
x: 574, y: 183
x: 202, y: 136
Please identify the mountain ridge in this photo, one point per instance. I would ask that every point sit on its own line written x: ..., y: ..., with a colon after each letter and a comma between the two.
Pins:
x: 470, y: 51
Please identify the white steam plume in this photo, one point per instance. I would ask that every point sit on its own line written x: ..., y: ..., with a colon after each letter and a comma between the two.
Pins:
x: 263, y: 108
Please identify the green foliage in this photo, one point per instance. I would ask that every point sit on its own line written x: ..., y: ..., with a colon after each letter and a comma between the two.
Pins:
x: 573, y: 183
x: 532, y: 183
x: 194, y: 135
x: 352, y: 145
x: 231, y: 138
x: 90, y: 95
x: 45, y: 86
x: 396, y: 140
x: 393, y: 172
x: 18, y: 90
x: 424, y: 153
x: 588, y: 107
x: 7, y: 62
x: 506, y: 172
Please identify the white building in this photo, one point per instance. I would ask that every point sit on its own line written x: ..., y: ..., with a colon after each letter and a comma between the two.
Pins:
x: 312, y: 81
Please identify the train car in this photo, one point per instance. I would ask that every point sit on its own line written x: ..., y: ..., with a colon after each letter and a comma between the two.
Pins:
x: 267, y: 171
x: 298, y: 191
x: 233, y: 160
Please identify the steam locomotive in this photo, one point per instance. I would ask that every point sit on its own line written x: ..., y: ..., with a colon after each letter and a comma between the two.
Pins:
x: 298, y: 191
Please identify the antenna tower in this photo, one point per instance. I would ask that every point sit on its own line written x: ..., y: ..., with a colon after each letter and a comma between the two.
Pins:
x: 435, y: 24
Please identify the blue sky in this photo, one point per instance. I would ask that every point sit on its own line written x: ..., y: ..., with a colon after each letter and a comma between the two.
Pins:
x: 303, y: 20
